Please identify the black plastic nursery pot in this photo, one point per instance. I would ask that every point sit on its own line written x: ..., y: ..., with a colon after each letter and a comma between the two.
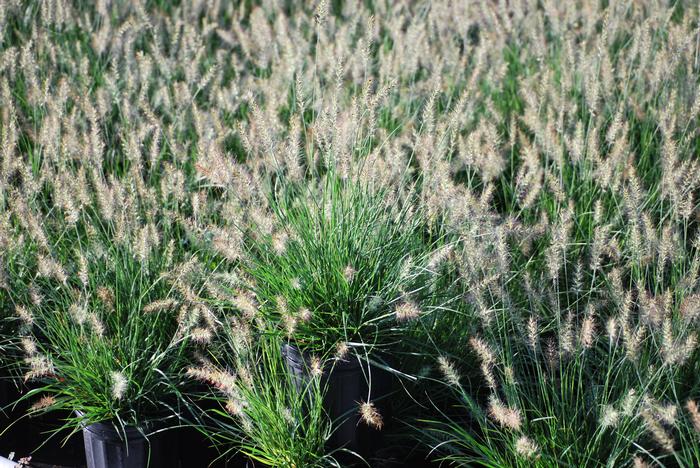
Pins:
x: 347, y: 384
x: 106, y: 446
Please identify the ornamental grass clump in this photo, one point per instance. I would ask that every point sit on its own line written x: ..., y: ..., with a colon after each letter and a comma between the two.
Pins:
x: 109, y: 335
x: 580, y: 270
x: 344, y: 267
x: 111, y: 309
x: 110, y: 350
x: 261, y: 410
x: 501, y: 197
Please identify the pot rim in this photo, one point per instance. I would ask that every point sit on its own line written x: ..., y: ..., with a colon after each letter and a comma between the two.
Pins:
x: 293, y: 353
x: 109, y: 429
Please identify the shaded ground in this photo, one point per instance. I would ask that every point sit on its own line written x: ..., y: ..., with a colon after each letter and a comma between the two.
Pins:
x: 31, y: 437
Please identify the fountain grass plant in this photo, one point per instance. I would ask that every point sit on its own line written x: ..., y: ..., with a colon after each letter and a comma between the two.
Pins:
x: 111, y: 311
x: 346, y: 269
x: 581, y: 275
x: 261, y: 410
x: 114, y: 349
x: 552, y: 145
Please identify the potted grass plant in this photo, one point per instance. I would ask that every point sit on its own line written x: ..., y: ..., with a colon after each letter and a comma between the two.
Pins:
x: 339, y: 278
x: 107, y: 329
x: 259, y: 411
x: 109, y: 351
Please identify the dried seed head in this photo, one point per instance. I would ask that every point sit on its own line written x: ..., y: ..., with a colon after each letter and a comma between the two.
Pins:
x: 304, y: 314
x: 321, y: 12
x: 44, y: 402
x: 39, y: 366
x: 566, y: 335
x: 487, y: 360
x: 235, y: 407
x: 315, y: 366
x: 96, y: 324
x: 506, y: 417
x: 290, y: 324
x: 160, y: 305
x: 28, y: 346
x: 24, y: 315
x: 448, y: 370
x: 245, y: 302
x: 370, y: 415
x: 341, y: 350
x: 588, y: 330
x: 50, y: 268
x: 282, y: 308
x: 694, y: 413
x: 106, y: 296
x: 609, y: 417
x: 438, y: 258
x: 482, y: 350
x: 349, y: 273
x: 35, y: 295
x: 526, y: 447
x: 83, y: 270
x: 226, y: 242
x: 629, y: 403
x: 78, y: 313
x: 288, y: 417
x: 201, y: 335
x: 407, y: 310
x: 667, y: 413
x: 119, y: 385
x: 532, y: 334
x: 223, y: 381
x: 690, y: 308
x: 611, y: 329
x: 279, y: 242
x: 658, y: 432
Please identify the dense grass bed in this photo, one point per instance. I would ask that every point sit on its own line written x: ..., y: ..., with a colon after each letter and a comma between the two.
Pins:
x: 487, y: 210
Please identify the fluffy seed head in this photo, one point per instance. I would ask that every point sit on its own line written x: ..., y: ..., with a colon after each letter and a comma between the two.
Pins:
x: 245, y: 302
x: 39, y: 366
x: 448, y: 370
x: 28, y: 346
x: 119, y: 384
x: 610, y: 417
x: 407, y: 310
x: 44, y: 402
x: 201, y: 335
x: 694, y: 413
x: 315, y: 366
x: 349, y: 273
x: 370, y: 415
x: 587, y: 331
x: 235, y: 407
x: 532, y: 334
x: 659, y: 433
x: 508, y: 418
x: 304, y: 314
x: 24, y: 315
x: 160, y: 305
x: 526, y: 447
x: 341, y: 350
